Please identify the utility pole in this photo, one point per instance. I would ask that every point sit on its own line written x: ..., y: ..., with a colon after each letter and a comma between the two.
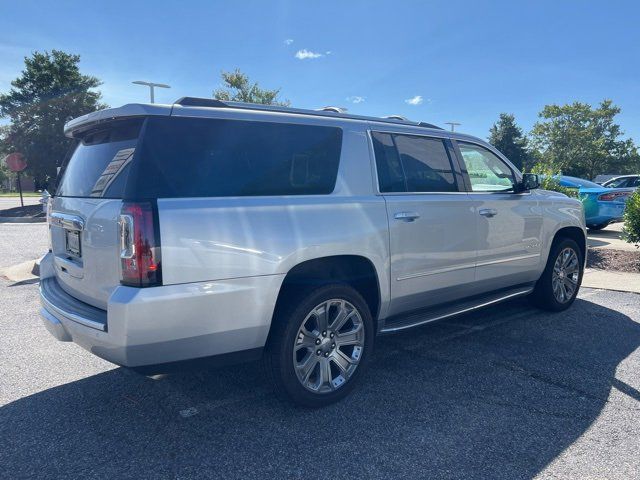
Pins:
x: 151, y: 86
x: 453, y: 125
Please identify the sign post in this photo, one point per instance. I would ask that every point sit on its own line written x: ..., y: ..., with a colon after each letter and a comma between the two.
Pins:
x: 16, y: 163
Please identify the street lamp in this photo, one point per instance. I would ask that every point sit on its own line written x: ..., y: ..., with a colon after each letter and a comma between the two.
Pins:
x: 151, y: 86
x: 453, y: 125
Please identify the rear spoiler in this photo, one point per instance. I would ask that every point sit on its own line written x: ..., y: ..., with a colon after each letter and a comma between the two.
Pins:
x: 73, y: 127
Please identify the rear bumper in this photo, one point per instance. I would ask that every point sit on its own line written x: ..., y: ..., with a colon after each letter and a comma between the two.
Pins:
x: 605, y: 212
x: 147, y: 327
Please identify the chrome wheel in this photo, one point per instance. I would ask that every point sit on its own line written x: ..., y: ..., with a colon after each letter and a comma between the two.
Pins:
x: 565, y: 275
x: 328, y: 346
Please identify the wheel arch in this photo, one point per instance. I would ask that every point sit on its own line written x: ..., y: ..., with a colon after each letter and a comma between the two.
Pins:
x: 355, y: 270
x: 576, y: 234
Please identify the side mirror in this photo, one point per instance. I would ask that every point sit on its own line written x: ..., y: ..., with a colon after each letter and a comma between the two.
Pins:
x: 530, y: 181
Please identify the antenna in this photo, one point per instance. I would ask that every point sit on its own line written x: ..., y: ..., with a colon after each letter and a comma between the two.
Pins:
x: 453, y: 125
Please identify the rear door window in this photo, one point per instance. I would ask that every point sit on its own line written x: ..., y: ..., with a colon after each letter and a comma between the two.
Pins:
x: 390, y: 174
x: 412, y: 163
x: 192, y: 157
x: 100, y: 161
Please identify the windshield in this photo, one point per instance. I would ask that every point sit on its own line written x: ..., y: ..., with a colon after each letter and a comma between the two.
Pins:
x: 617, y: 182
x: 100, y: 161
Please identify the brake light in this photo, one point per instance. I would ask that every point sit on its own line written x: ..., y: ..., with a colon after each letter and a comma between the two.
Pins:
x: 49, y: 207
x: 612, y: 196
x: 139, y: 245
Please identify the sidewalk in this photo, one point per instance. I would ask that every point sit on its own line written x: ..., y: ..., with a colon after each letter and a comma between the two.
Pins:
x: 12, y: 212
x: 606, y: 280
x: 609, y: 238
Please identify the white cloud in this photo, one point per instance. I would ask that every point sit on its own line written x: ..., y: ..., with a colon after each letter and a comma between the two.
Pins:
x: 417, y: 100
x: 288, y: 41
x: 305, y: 54
x: 355, y: 99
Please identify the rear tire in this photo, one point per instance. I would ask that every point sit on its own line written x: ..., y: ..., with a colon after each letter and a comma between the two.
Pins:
x: 598, y: 227
x: 558, y: 285
x: 299, y: 373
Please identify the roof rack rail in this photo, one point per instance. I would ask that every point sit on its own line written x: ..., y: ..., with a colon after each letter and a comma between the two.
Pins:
x: 429, y: 125
x: 332, y: 109
x: 324, y: 112
x: 200, y: 102
x: 397, y: 117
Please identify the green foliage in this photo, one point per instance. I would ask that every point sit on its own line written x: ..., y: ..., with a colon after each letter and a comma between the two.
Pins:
x: 5, y: 173
x: 507, y: 137
x: 49, y: 91
x: 631, y: 229
x: 239, y: 88
x: 584, y: 141
x: 549, y: 180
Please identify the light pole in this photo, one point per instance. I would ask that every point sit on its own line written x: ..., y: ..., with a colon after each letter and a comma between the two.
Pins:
x: 151, y: 86
x: 453, y: 125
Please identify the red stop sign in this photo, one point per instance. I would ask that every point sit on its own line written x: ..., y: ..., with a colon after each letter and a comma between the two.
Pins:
x: 15, y: 162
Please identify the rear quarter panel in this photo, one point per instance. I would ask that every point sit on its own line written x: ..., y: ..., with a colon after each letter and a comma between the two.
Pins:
x: 207, y: 239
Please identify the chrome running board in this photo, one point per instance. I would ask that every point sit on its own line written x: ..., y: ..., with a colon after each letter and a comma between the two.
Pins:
x: 421, y: 317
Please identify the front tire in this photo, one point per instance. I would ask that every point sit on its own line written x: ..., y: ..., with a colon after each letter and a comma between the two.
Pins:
x: 319, y: 345
x: 558, y: 285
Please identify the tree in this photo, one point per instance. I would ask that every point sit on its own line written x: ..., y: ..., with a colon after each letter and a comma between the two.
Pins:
x: 507, y: 137
x: 239, y: 88
x: 50, y: 91
x: 5, y: 173
x: 584, y: 141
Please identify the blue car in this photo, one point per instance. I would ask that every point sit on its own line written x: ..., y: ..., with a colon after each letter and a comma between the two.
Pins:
x: 602, y: 205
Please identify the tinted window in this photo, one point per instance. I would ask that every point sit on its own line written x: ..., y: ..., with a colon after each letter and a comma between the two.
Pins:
x: 390, y: 175
x: 407, y: 163
x: 487, y: 172
x: 186, y: 157
x: 99, y: 164
x: 426, y: 164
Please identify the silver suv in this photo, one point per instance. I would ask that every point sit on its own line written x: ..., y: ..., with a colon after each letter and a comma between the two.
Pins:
x: 220, y: 232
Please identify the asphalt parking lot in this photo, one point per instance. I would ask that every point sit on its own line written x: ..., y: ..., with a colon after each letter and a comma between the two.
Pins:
x: 509, y: 393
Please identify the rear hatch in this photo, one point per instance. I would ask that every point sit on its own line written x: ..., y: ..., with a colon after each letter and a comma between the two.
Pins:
x: 85, y: 211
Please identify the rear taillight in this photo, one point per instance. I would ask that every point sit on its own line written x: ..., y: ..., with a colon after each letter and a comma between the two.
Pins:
x: 139, y: 245
x: 49, y: 206
x: 612, y: 196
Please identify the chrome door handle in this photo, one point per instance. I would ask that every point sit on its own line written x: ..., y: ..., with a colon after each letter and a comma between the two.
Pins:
x: 407, y: 216
x: 488, y: 212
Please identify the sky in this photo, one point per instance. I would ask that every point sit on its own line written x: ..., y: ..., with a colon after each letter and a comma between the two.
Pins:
x: 462, y: 61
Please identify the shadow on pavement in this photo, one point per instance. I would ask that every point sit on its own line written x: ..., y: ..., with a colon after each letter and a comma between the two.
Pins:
x: 498, y: 394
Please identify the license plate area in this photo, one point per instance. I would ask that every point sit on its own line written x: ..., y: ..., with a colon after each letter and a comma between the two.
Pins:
x: 73, y: 243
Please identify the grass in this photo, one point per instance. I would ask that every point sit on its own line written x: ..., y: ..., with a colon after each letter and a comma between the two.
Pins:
x: 16, y: 194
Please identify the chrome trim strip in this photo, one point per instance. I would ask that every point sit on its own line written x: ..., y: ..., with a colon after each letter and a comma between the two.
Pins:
x: 465, y: 266
x: 510, y: 259
x: 70, y: 222
x: 436, y: 271
x: 519, y: 293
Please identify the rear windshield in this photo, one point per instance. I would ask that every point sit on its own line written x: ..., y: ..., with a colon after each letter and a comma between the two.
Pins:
x: 99, y: 164
x: 194, y: 157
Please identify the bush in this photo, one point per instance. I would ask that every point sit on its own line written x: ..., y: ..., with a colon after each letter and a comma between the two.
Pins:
x: 631, y: 229
x: 549, y: 180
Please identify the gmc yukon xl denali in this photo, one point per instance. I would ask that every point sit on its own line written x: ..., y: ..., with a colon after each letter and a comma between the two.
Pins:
x: 222, y: 232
